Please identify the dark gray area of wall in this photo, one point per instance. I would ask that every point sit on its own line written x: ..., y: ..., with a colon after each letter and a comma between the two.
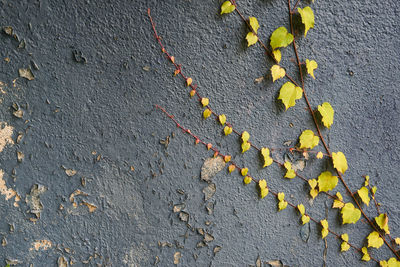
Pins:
x: 90, y: 110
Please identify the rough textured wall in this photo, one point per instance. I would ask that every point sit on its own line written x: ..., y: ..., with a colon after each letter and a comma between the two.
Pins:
x: 85, y: 178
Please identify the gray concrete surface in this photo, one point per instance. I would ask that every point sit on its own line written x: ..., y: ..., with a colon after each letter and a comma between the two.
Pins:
x: 89, y: 113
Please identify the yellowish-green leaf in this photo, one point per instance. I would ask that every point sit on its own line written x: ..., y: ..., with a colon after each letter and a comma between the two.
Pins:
x: 262, y: 184
x: 254, y: 24
x: 313, y: 183
x: 245, y: 146
x: 365, y: 256
x: 308, y: 139
x: 231, y: 168
x: 301, y: 209
x: 267, y: 159
x: 383, y: 222
x: 320, y: 155
x: 289, y: 93
x: 325, y: 227
x: 277, y: 72
x: 244, y: 171
x: 311, y: 65
x: 277, y: 55
x: 366, y: 183
x: 205, y: 101
x: 363, y: 194
x: 338, y: 203
x: 339, y: 196
x: 339, y: 161
x: 327, y: 114
x: 307, y: 17
x: 206, y: 113
x: 326, y: 181
x: 245, y: 136
x: 222, y: 119
x: 264, y: 192
x: 281, y: 196
x: 251, y: 39
x: 344, y: 246
x: 247, y: 180
x: 350, y: 214
x: 305, y: 219
x: 282, y: 205
x: 345, y: 237
x: 227, y: 130
x: 392, y: 262
x: 281, y: 38
x: 313, y: 193
x: 290, y: 173
x: 373, y: 190
x: 227, y: 7
x: 374, y: 240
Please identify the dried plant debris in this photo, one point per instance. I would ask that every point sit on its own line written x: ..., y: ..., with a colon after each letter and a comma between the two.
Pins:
x: 8, y: 30
x: 210, y: 207
x: 20, y: 156
x: 26, y: 73
x: 184, y: 216
x: 179, y: 207
x: 258, y: 262
x: 62, y: 262
x: 276, y: 263
x: 90, y: 206
x: 12, y: 262
x: 211, y: 167
x: 33, y: 199
x: 177, y: 257
x: 208, y: 238
x: 217, y: 249
x: 70, y: 172
x: 164, y: 244
x: 79, y: 57
x: 209, y: 191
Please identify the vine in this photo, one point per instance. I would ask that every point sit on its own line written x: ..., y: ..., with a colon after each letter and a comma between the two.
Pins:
x: 289, y: 93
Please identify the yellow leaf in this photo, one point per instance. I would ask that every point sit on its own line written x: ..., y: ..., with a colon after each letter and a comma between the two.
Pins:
x: 209, y: 146
x: 338, y: 203
x: 227, y: 130
x: 231, y: 168
x: 392, y: 262
x: 206, y: 113
x: 245, y: 136
x: 326, y: 181
x: 267, y: 159
x: 244, y: 171
x: 344, y: 246
x: 192, y: 92
x: 305, y: 219
x: 308, y: 139
x: 281, y: 196
x: 350, y: 214
x: 205, y: 101
x: 374, y: 240
x: 290, y: 173
x: 327, y: 114
x: 313, y: 193
x: 311, y: 65
x: 263, y: 192
x: 173, y: 59
x: 188, y: 81
x: 289, y: 93
x: 227, y: 158
x: 345, y: 237
x: 222, y: 119
x: 281, y: 38
x: 262, y: 184
x: 277, y: 72
x: 282, y: 205
x: 247, y: 180
x: 313, y: 183
x: 397, y: 240
x: 373, y: 190
x: 325, y: 224
x: 383, y: 222
x: 339, y: 161
x: 254, y: 24
x: 363, y: 194
x: 251, y: 39
x: 365, y: 256
x: 339, y: 196
x: 366, y: 183
x: 307, y: 17
x: 325, y: 227
x: 277, y: 55
x: 245, y: 146
x: 227, y: 7
x: 320, y: 155
x: 301, y: 209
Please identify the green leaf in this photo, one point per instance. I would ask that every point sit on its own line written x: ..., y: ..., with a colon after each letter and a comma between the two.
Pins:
x: 350, y: 214
x: 289, y: 93
x: 251, y: 39
x: 277, y: 72
x: 254, y: 24
x: 383, y: 222
x: 308, y: 139
x: 307, y: 17
x: 339, y: 161
x: 267, y: 159
x: 326, y: 181
x: 311, y: 66
x: 374, y: 240
x: 327, y: 114
x: 290, y: 173
x: 227, y: 7
x: 281, y: 38
x: 363, y: 194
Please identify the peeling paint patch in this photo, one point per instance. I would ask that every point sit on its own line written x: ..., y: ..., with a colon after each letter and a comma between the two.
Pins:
x: 90, y: 206
x: 33, y: 199
x: 8, y: 192
x: 41, y: 244
x: 76, y: 193
x: 6, y: 132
